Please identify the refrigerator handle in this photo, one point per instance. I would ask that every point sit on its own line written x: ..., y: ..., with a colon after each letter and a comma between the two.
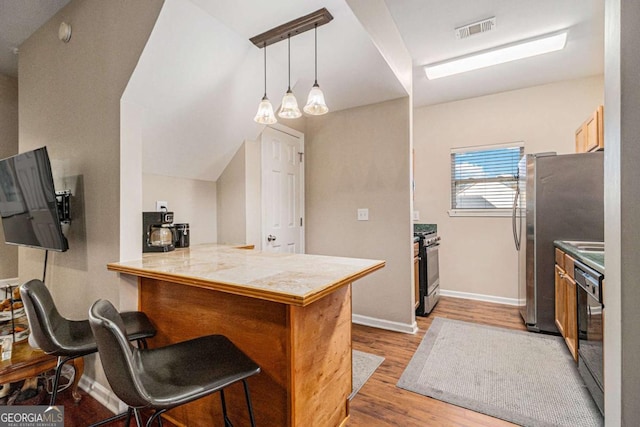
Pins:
x: 516, y: 238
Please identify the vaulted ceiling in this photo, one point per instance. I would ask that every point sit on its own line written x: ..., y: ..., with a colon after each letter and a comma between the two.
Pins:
x: 18, y: 20
x: 200, y: 79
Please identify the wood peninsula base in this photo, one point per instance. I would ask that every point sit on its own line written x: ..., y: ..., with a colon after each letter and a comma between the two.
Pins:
x: 291, y: 313
x: 304, y: 351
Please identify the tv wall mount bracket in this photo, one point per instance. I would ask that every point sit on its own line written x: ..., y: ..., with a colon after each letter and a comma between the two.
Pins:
x: 64, y: 211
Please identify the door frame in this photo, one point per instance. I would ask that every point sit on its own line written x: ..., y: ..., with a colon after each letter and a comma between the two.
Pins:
x: 296, y: 134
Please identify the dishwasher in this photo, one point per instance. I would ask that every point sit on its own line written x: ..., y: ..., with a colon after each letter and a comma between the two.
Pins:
x: 590, y: 330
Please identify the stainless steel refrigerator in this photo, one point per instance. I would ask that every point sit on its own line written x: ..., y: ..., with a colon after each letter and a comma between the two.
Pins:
x: 559, y: 197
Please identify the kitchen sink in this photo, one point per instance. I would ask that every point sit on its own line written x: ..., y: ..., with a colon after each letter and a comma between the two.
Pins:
x: 588, y: 246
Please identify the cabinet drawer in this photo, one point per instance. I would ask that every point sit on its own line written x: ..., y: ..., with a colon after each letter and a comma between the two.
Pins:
x: 568, y: 265
x: 560, y: 259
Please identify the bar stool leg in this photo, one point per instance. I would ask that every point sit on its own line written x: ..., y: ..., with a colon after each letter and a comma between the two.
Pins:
x: 127, y: 421
x: 156, y: 415
x: 56, y: 378
x: 227, y: 421
x: 246, y: 394
x: 136, y: 414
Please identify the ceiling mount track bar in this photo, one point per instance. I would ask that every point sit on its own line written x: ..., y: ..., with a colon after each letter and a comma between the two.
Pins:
x: 292, y: 28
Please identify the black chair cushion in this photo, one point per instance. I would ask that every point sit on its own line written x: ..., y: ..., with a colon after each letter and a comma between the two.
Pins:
x: 182, y: 372
x: 165, y: 377
x: 59, y: 336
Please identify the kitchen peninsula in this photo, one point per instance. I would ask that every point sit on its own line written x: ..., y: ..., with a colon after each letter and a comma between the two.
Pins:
x: 291, y: 313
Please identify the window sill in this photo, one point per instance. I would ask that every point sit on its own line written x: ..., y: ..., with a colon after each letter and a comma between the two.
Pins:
x: 480, y: 212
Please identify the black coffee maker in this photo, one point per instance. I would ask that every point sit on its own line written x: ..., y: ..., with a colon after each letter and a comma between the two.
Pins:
x: 157, y: 232
x: 181, y: 236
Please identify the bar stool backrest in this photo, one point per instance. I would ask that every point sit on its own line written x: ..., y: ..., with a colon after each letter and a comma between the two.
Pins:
x: 48, y: 327
x: 117, y: 355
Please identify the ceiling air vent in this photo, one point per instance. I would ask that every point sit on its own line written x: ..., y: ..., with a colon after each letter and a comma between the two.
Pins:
x: 475, y: 28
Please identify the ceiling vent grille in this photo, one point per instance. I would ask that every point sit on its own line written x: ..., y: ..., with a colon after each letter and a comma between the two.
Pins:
x: 475, y: 28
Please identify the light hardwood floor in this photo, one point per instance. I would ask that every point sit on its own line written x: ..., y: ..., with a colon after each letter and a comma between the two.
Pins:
x: 379, y: 402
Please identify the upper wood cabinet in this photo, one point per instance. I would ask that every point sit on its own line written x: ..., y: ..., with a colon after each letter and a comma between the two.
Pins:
x: 590, y: 135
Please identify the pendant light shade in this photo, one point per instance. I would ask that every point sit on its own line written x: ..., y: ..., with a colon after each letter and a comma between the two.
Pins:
x: 316, y: 105
x: 265, y: 114
x: 315, y: 102
x: 289, y: 108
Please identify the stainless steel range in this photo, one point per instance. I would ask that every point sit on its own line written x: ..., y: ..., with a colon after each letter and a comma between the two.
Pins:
x: 429, y: 279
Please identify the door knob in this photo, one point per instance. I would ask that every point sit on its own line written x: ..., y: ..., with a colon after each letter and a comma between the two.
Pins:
x: 271, y: 238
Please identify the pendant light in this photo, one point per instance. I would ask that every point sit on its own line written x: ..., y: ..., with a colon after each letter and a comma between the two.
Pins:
x: 289, y: 108
x: 316, y: 105
x: 265, y: 109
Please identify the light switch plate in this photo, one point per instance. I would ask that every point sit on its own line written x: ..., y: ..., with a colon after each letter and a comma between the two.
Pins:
x: 363, y: 214
x: 416, y: 215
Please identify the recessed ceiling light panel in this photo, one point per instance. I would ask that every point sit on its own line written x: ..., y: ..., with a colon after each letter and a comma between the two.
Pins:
x: 499, y: 55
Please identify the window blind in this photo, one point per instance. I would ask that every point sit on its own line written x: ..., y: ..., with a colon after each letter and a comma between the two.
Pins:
x: 485, y: 178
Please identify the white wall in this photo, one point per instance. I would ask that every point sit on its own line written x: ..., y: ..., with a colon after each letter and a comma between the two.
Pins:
x: 253, y: 192
x: 69, y: 100
x: 239, y: 199
x: 622, y: 203
x: 231, y: 202
x: 192, y: 201
x: 8, y: 147
x: 197, y: 80
x: 477, y: 254
x: 360, y: 158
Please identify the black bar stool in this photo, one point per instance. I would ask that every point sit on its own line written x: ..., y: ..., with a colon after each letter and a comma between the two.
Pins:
x: 70, y: 339
x: 166, y: 377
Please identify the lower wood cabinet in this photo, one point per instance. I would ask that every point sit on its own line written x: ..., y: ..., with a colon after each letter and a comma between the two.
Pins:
x: 566, y: 310
x: 416, y: 273
x: 571, y: 327
x: 561, y: 303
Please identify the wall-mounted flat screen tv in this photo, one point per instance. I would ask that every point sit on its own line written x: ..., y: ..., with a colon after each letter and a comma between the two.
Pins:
x: 28, y: 202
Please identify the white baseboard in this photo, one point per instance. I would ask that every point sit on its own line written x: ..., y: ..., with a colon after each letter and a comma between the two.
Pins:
x: 102, y: 395
x: 12, y: 281
x: 482, y: 297
x: 384, y: 324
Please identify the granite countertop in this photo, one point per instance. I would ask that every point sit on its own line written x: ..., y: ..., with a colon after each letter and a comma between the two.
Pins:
x: 296, y: 279
x: 425, y: 228
x: 593, y: 259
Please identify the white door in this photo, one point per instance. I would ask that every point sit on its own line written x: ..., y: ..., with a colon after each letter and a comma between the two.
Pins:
x: 282, y: 192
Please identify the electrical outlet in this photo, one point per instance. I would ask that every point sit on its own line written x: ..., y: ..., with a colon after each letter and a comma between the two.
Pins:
x: 416, y: 215
x: 363, y: 214
x: 161, y: 205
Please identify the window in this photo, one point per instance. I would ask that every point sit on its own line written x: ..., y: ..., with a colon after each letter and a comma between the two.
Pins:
x: 484, y: 179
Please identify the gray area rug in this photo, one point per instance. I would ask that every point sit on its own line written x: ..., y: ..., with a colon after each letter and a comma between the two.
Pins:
x: 522, y: 377
x: 363, y: 366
